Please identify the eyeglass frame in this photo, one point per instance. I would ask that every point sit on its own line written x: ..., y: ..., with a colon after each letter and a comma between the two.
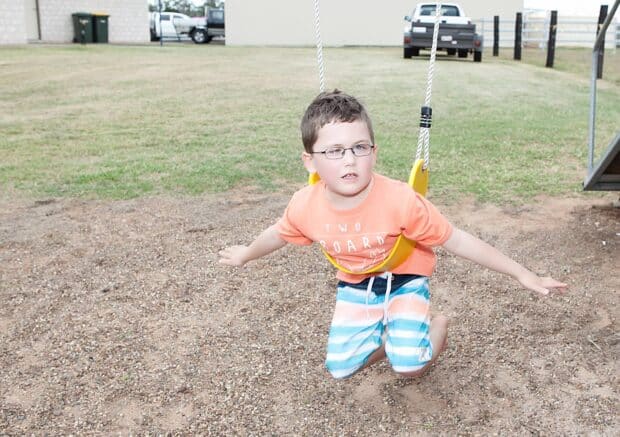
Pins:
x: 344, y: 151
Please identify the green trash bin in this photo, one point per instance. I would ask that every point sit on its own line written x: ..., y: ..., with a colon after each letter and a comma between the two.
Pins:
x: 82, y: 27
x: 100, y: 27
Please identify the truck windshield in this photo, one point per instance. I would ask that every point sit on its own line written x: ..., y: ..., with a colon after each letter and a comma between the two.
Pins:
x: 446, y: 11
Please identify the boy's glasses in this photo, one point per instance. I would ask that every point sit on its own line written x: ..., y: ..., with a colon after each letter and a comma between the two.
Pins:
x: 338, y: 152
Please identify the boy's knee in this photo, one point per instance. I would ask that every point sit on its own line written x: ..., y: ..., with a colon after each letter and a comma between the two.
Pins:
x: 413, y: 370
x: 414, y: 373
x: 411, y: 361
x: 340, y: 373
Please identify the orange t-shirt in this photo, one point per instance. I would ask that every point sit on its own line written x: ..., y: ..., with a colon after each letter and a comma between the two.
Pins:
x: 362, y: 237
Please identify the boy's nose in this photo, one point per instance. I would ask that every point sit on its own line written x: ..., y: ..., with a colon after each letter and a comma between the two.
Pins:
x: 349, y: 157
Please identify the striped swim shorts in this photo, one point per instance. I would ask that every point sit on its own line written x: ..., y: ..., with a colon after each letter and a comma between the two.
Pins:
x: 366, y: 316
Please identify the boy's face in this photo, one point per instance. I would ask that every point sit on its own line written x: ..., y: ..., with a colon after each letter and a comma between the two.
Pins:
x: 349, y: 175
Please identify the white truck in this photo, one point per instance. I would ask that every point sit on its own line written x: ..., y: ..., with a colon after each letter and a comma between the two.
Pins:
x: 457, y: 35
x: 170, y: 25
x: 174, y: 25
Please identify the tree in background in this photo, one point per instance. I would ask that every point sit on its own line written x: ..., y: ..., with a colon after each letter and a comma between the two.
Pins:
x: 186, y: 7
x: 182, y: 6
x: 215, y: 4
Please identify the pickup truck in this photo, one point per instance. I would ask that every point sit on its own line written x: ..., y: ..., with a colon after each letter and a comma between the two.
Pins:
x: 213, y: 25
x: 457, y: 35
x: 175, y: 25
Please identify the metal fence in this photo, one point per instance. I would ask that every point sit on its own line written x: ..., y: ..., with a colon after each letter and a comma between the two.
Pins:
x: 570, y: 32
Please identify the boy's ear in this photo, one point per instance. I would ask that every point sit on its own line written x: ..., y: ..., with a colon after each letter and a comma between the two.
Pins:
x: 308, y: 162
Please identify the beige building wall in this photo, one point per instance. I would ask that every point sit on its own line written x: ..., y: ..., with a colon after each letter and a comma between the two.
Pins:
x: 343, y: 22
x: 12, y: 22
x: 128, y: 22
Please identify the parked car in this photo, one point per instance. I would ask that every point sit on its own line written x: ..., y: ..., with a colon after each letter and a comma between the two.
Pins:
x: 173, y: 25
x: 199, y: 29
x: 212, y: 26
x: 456, y: 32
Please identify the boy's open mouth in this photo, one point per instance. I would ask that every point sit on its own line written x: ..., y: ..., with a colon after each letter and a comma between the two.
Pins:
x: 350, y: 176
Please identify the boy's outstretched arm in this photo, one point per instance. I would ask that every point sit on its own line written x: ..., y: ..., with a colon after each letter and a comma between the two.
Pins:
x: 268, y: 241
x: 467, y: 246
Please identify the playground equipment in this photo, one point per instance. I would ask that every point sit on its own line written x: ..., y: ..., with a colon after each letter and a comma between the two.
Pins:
x: 605, y: 175
x: 418, y: 177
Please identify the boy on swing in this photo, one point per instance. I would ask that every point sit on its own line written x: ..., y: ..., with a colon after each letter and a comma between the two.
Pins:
x: 356, y: 216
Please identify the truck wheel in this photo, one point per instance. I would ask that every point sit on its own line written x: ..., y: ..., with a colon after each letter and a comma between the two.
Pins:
x: 415, y: 51
x: 199, y: 36
x: 154, y: 36
x: 462, y: 53
x: 407, y: 52
x: 451, y: 52
x: 477, y: 56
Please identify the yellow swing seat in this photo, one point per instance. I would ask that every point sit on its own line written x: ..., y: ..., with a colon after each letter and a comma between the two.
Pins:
x: 418, y: 181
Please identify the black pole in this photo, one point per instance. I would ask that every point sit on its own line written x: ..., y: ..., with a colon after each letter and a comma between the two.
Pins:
x: 161, y: 31
x: 496, y: 35
x: 38, y: 10
x: 553, y: 25
x: 601, y: 53
x: 518, y: 27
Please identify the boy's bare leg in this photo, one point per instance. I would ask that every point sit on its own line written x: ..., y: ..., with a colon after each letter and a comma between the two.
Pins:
x: 377, y: 355
x: 438, y: 333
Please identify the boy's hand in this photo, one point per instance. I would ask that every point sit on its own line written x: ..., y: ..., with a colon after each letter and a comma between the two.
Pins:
x: 268, y: 241
x: 234, y: 256
x: 541, y: 285
x: 469, y: 247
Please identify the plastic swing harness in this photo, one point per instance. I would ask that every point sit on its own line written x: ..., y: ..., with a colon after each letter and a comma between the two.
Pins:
x: 418, y: 177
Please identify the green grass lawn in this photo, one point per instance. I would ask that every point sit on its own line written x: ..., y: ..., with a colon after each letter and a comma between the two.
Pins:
x: 105, y: 121
x: 571, y: 60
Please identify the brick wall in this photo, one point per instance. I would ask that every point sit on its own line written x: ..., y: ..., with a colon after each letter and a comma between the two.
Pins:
x: 12, y: 22
x: 128, y: 22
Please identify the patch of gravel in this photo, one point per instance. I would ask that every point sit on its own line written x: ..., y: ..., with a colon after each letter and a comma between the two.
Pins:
x: 116, y: 318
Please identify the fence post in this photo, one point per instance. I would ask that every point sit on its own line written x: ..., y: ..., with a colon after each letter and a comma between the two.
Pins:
x: 161, y: 31
x: 601, y: 53
x: 496, y: 35
x: 518, y: 27
x: 553, y: 25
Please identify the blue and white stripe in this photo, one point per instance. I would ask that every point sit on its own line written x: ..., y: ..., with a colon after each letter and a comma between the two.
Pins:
x: 353, y: 340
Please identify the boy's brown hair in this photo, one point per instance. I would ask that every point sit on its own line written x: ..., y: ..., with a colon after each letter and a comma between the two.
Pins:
x: 328, y: 107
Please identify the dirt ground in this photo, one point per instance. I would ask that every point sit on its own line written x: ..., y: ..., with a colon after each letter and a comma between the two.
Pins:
x: 116, y: 318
